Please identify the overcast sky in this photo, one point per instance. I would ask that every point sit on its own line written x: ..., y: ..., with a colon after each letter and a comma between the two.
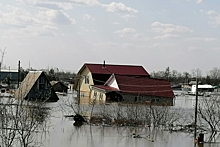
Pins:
x: 181, y: 34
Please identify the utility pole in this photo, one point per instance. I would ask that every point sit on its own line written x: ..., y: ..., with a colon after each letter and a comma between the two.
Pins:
x: 79, y: 92
x: 1, y: 63
x: 79, y: 95
x: 19, y: 66
x: 196, y: 105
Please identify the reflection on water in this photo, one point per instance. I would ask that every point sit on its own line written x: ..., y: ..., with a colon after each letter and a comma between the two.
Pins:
x: 78, y: 124
x: 63, y: 132
x: 184, y: 101
x: 93, y: 136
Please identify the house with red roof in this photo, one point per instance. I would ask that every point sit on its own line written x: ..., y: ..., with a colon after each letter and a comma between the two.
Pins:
x: 105, y: 83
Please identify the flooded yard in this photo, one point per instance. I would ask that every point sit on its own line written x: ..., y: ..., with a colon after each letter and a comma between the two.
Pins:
x: 60, y: 130
x: 67, y: 135
x: 63, y: 133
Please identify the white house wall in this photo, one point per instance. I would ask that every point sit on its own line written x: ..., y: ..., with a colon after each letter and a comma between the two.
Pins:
x: 113, y: 83
x: 193, y: 89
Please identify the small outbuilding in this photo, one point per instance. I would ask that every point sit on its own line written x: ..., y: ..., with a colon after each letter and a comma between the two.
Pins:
x: 36, y: 86
x: 9, y: 75
x: 59, y: 86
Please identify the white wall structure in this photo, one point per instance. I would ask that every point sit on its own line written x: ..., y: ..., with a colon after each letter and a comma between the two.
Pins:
x: 112, y: 82
x: 205, y: 87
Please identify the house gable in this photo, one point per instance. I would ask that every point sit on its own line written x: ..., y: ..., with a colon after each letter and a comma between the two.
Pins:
x: 27, y: 84
x: 111, y: 82
x: 36, y: 86
x: 82, y: 82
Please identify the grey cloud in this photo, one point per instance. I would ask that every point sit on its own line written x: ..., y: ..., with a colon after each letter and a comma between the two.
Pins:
x: 88, y: 17
x: 16, y: 17
x: 129, y: 33
x: 199, y: 1
x: 168, y: 28
x: 202, y: 39
x: 166, y: 36
x: 214, y: 20
x: 58, y: 4
x: 86, y: 2
x: 45, y: 33
x: 49, y: 5
x: 118, y: 7
x: 56, y: 17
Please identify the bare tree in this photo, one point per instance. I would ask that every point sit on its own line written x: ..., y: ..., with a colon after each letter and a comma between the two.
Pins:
x: 215, y: 73
x: 196, y: 73
x: 30, y: 116
x: 209, y: 113
x: 20, y: 120
x: 8, y: 131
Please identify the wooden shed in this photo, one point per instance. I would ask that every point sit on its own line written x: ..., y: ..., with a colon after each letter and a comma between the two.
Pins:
x: 59, y: 86
x: 36, y: 86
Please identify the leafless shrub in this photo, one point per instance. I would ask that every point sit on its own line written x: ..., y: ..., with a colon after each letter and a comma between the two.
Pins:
x: 209, y: 114
x: 20, y: 121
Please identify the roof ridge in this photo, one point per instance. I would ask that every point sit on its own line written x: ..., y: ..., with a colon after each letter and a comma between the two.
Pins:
x: 114, y: 64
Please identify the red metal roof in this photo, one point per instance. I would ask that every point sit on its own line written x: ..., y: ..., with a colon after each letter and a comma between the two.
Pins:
x: 107, y: 88
x: 145, y: 86
x: 133, y: 70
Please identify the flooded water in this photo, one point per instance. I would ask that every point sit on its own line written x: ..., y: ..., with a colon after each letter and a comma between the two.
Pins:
x: 62, y: 133
x: 67, y: 135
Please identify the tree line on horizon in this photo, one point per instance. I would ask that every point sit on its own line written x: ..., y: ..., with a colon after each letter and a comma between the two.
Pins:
x: 174, y: 77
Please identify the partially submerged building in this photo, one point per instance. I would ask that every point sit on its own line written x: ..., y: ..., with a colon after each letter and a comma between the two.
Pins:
x: 104, y: 83
x: 133, y: 89
x: 59, y: 86
x: 8, y: 77
x: 202, y: 89
x: 36, y: 86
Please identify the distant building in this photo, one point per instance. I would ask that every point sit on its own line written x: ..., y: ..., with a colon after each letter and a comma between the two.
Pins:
x: 7, y: 75
x: 202, y: 89
x: 59, y: 86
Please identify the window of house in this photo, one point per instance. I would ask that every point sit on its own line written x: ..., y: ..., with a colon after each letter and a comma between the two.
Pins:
x: 82, y: 95
x: 135, y: 99
x: 41, y: 80
x: 86, y: 79
x: 95, y: 94
x: 41, y: 83
x: 100, y: 96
